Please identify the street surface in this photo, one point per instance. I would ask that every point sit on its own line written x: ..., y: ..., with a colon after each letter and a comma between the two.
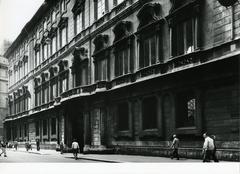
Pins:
x: 51, y: 157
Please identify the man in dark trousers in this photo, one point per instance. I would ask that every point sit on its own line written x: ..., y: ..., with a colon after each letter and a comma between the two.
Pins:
x: 3, y: 147
x: 174, y: 147
x: 75, y: 148
x: 38, y: 144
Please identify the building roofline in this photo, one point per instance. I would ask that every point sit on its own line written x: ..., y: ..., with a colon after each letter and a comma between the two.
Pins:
x: 46, y: 5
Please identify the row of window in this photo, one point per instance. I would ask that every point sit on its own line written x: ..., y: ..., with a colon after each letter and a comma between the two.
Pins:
x: 186, y: 112
x: 46, y: 127
x: 19, y: 105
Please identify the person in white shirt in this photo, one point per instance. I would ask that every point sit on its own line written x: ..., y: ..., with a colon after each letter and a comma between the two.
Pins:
x: 174, y: 147
x: 75, y: 148
x: 208, y: 148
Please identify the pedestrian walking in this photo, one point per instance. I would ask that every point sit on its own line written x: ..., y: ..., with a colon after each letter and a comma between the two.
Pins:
x: 174, y: 147
x: 3, y: 147
x: 16, y: 145
x: 38, y: 144
x: 208, y: 148
x: 75, y: 148
x: 61, y: 147
x: 27, y: 145
x: 215, y: 149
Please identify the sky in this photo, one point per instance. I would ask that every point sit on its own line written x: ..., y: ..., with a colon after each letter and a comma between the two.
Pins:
x: 14, y: 14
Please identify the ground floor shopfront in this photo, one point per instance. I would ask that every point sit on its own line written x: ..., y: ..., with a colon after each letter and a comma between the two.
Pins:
x: 141, y: 117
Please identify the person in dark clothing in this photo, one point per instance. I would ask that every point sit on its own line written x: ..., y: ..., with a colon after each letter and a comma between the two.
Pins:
x: 61, y: 147
x: 214, y: 157
x: 38, y: 144
x: 174, y: 147
x: 3, y: 147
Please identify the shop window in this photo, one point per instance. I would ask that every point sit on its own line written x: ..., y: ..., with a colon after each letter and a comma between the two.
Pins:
x: 186, y: 110
x: 149, y: 113
x: 123, y: 116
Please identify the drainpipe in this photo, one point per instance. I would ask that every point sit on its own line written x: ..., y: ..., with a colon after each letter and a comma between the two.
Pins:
x: 233, y: 19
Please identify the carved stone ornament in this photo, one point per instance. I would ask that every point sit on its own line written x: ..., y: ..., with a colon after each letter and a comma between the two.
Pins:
x: 44, y: 76
x: 25, y: 58
x: 148, y: 13
x: 227, y: 3
x: 63, y: 22
x: 62, y: 65
x: 100, y: 42
x: 53, y: 71
x: 78, y: 7
x: 37, y: 81
x: 121, y: 30
x: 37, y: 47
x: 52, y: 32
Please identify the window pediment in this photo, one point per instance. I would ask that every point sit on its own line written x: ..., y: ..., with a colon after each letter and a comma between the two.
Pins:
x: 121, y: 30
x: 37, y: 47
x: 53, y: 71
x: 52, y: 32
x: 100, y: 42
x: 78, y: 7
x: 148, y: 13
x: 63, y: 22
x: 63, y: 64
x: 80, y: 54
x: 44, y: 77
x: 37, y: 81
x: 25, y: 58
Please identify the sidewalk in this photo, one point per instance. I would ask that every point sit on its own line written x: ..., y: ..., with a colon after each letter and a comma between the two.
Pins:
x: 110, y: 158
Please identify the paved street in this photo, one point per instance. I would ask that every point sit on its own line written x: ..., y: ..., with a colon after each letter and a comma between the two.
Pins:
x: 51, y: 156
x: 21, y: 156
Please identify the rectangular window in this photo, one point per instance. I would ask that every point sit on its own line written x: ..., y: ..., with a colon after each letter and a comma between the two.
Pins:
x: 53, y: 91
x: 63, y: 36
x: 101, y: 70
x: 186, y: 110
x: 183, y: 35
x: 54, y: 45
x: 100, y: 8
x: 45, y: 127
x: 37, y: 58
x: 121, y: 62
x: 45, y: 25
x: 148, y: 51
x: 64, y: 85
x: 37, y: 127
x: 45, y: 52
x: 149, y: 113
x: 53, y: 126
x: 63, y: 6
x: 25, y: 130
x: 53, y: 16
x: 123, y: 117
x: 78, y: 23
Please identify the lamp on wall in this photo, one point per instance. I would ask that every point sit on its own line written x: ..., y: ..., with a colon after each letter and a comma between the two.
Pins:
x: 227, y: 3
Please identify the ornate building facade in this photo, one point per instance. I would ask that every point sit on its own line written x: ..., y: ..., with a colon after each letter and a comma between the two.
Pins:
x: 126, y: 75
x: 3, y: 93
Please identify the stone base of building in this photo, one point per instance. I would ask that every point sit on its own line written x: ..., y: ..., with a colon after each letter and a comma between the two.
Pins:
x: 98, y: 150
x: 194, y: 153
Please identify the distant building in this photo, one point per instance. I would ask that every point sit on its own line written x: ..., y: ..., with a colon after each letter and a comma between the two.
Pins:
x: 3, y: 92
x: 5, y: 45
x: 127, y: 74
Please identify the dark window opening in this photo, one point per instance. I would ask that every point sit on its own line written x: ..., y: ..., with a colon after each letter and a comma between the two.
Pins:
x: 123, y: 117
x: 44, y: 127
x: 53, y: 126
x: 149, y: 113
x: 186, y: 110
x: 37, y: 127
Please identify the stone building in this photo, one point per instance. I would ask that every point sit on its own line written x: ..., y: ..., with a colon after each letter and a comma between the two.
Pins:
x: 126, y: 75
x: 3, y: 92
